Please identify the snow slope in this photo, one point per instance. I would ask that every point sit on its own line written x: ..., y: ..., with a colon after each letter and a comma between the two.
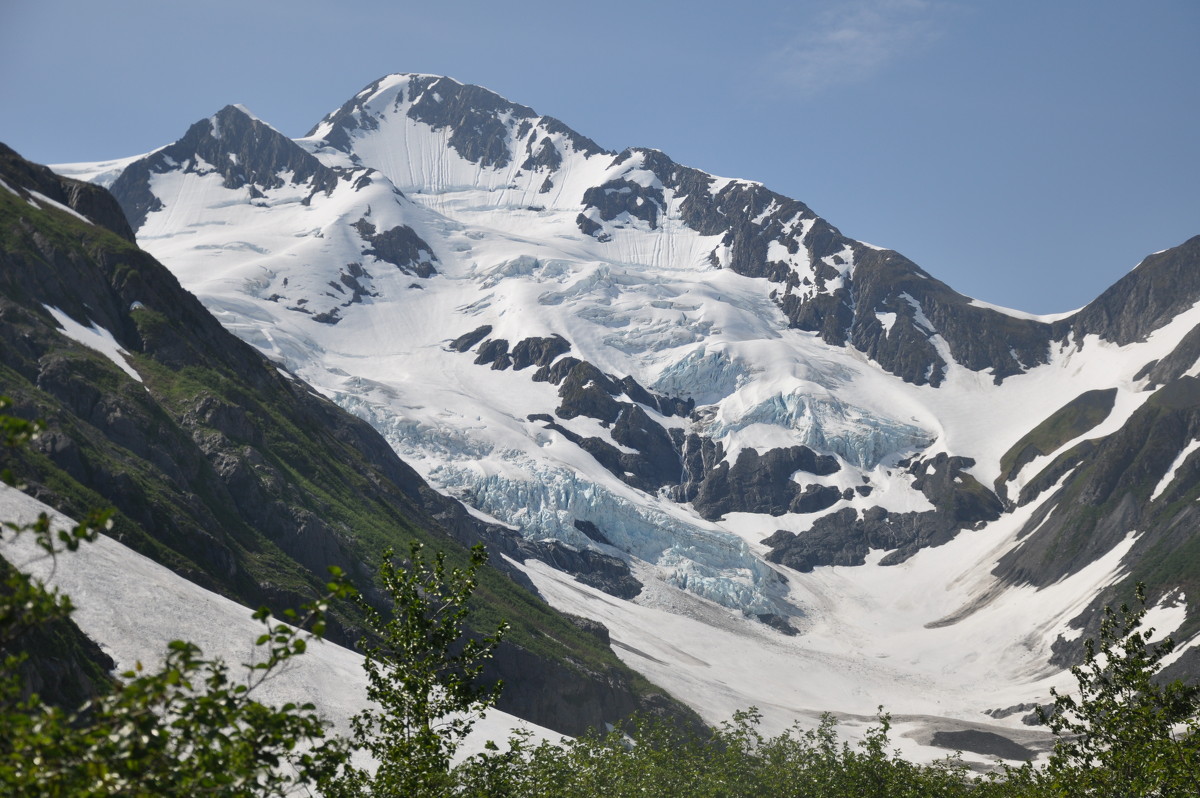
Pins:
x: 133, y: 607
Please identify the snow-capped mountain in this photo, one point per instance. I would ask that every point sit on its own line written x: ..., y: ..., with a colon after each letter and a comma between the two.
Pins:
x: 708, y: 405
x: 228, y: 470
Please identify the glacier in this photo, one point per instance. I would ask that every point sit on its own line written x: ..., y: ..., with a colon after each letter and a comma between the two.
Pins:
x: 825, y: 424
x: 705, y: 375
x: 706, y: 561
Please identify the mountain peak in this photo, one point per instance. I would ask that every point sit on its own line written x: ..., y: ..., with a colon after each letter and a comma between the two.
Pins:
x: 485, y: 128
x: 234, y: 122
x: 244, y: 111
x: 241, y: 148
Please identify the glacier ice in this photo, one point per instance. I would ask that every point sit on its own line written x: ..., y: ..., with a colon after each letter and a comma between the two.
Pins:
x: 707, y: 562
x: 826, y: 424
x: 707, y: 376
x: 411, y: 438
x: 544, y: 501
x: 657, y: 336
x: 521, y: 266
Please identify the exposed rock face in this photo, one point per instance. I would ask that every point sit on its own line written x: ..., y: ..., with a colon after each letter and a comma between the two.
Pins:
x: 92, y: 201
x: 260, y: 156
x: 978, y: 338
x: 845, y: 287
x: 982, y: 742
x: 482, y: 124
x: 574, y: 701
x: 399, y: 246
x: 1174, y: 365
x: 693, y: 468
x: 625, y: 197
x: 587, y: 391
x: 1070, y: 421
x: 591, y: 567
x: 468, y: 340
x: 64, y: 667
x: 538, y: 351
x: 1159, y: 289
x: 764, y: 484
x: 528, y: 352
x: 545, y: 156
x: 1109, y: 491
x: 847, y: 294
x: 494, y: 352
x: 827, y: 283
x: 653, y: 464
x: 845, y: 538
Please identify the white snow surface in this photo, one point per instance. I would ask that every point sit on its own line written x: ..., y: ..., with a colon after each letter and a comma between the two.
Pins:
x: 1020, y: 314
x: 133, y: 607
x: 102, y: 173
x: 96, y: 338
x: 1169, y: 476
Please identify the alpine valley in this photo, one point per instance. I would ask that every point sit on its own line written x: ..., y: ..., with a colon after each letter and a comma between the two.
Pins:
x: 762, y: 463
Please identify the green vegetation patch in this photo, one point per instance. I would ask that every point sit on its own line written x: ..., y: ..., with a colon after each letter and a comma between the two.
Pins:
x: 1070, y: 421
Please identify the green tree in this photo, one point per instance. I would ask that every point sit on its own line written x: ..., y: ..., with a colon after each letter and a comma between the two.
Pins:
x: 423, y: 673
x: 1124, y: 732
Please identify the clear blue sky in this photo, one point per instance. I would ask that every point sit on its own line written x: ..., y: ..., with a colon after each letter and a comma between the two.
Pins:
x: 1027, y: 153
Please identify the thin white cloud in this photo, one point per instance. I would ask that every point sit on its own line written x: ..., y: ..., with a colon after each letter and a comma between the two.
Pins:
x: 852, y: 41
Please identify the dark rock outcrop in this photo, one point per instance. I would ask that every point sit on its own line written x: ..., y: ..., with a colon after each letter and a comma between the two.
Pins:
x: 545, y: 156
x: 625, y: 197
x: 850, y: 284
x: 482, y: 124
x: 494, y: 352
x: 1161, y: 287
x: 63, y: 666
x: 84, y: 198
x: 591, y: 567
x: 1070, y: 421
x: 591, y: 530
x: 653, y: 465
x: 538, y: 351
x: 587, y: 391
x: 845, y: 537
x: 399, y: 246
x: 1108, y: 493
x: 242, y: 150
x: 763, y: 484
x: 467, y: 340
x: 575, y: 700
x: 982, y: 742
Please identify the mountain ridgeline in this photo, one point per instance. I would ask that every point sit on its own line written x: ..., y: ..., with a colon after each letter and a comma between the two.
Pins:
x: 672, y: 386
